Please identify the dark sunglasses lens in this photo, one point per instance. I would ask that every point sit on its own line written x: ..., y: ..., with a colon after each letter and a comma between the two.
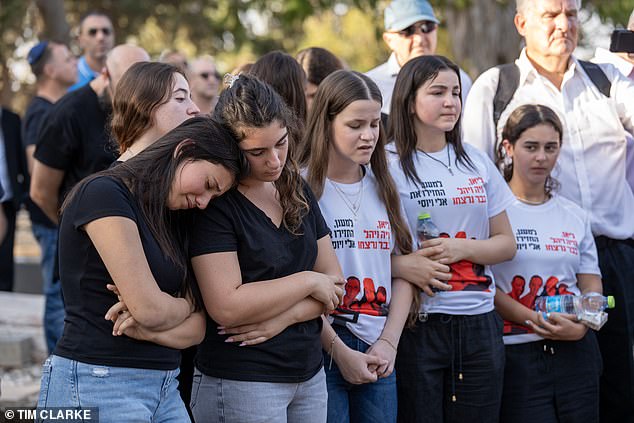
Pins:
x: 93, y: 31
x: 425, y: 28
x: 428, y: 27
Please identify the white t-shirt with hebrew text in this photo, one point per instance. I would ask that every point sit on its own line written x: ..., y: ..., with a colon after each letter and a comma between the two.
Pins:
x: 460, y: 206
x: 363, y: 245
x: 554, y: 244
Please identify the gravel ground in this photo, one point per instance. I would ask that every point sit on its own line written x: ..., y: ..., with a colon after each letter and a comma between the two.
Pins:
x: 21, y: 315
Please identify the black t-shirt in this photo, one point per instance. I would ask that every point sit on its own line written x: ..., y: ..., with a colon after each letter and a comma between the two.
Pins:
x: 31, y: 124
x: 87, y: 335
x: 73, y: 138
x: 233, y: 223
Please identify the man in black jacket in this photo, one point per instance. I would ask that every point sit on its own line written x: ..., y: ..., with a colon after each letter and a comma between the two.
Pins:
x: 12, y: 170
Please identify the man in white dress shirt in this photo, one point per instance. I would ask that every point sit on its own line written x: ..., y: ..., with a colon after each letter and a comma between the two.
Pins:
x: 624, y: 62
x: 411, y: 30
x: 591, y: 166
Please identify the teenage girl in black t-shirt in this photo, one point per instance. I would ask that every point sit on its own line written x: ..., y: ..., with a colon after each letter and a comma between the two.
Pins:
x: 151, y: 99
x: 120, y: 227
x: 265, y: 265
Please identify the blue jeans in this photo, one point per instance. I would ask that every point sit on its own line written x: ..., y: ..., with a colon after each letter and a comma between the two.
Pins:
x: 450, y: 369
x: 52, y: 289
x: 121, y: 394
x: 348, y: 403
x: 225, y: 400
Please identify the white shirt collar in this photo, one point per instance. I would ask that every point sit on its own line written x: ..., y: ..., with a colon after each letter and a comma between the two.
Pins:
x: 527, y: 70
x: 393, y: 68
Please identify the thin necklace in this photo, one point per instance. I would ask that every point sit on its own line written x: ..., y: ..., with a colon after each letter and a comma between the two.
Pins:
x: 533, y: 203
x: 353, y: 202
x: 447, y: 166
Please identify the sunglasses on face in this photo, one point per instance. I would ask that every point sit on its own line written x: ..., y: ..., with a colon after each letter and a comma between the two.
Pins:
x: 93, y: 31
x: 425, y: 27
x: 206, y: 75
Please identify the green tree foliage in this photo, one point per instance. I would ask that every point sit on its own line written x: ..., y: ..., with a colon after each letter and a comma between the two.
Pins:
x: 236, y: 31
x: 12, y: 19
x: 364, y: 50
x: 613, y: 11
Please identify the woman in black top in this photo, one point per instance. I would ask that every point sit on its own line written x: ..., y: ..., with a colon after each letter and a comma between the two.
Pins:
x: 151, y: 99
x: 262, y: 255
x: 120, y: 226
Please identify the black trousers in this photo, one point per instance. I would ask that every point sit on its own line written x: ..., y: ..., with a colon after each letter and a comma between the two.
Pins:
x: 186, y: 376
x: 6, y: 249
x: 616, y: 338
x: 449, y: 369
x: 552, y: 382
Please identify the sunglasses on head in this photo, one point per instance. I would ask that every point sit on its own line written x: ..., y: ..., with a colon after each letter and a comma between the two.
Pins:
x: 93, y: 31
x: 425, y: 27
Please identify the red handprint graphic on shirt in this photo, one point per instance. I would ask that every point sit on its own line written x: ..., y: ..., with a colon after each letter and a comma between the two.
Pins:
x: 373, y: 301
x: 352, y: 288
x: 517, y: 287
x: 553, y: 287
x: 466, y: 275
x: 534, y: 285
x: 550, y: 288
x: 528, y: 300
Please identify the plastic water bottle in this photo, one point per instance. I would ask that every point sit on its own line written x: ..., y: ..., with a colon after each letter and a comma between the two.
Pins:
x: 589, y: 304
x: 425, y: 228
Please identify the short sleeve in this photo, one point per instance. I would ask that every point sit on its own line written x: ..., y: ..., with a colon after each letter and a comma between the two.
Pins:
x: 32, y: 125
x: 321, y: 227
x: 29, y: 137
x: 588, y: 259
x: 55, y: 147
x: 499, y: 195
x: 213, y: 229
x: 98, y: 198
x: 413, y: 239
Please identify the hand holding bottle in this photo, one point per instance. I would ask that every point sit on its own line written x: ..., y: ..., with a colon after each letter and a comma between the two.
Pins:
x: 557, y: 326
x: 587, y: 308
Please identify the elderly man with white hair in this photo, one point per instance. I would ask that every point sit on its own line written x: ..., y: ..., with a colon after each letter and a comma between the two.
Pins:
x: 596, y: 105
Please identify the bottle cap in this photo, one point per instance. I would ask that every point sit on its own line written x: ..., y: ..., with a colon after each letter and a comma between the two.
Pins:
x: 610, y: 301
x: 423, y: 215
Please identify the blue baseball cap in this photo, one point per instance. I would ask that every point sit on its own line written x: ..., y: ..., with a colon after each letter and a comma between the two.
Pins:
x: 36, y: 52
x: 402, y: 13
